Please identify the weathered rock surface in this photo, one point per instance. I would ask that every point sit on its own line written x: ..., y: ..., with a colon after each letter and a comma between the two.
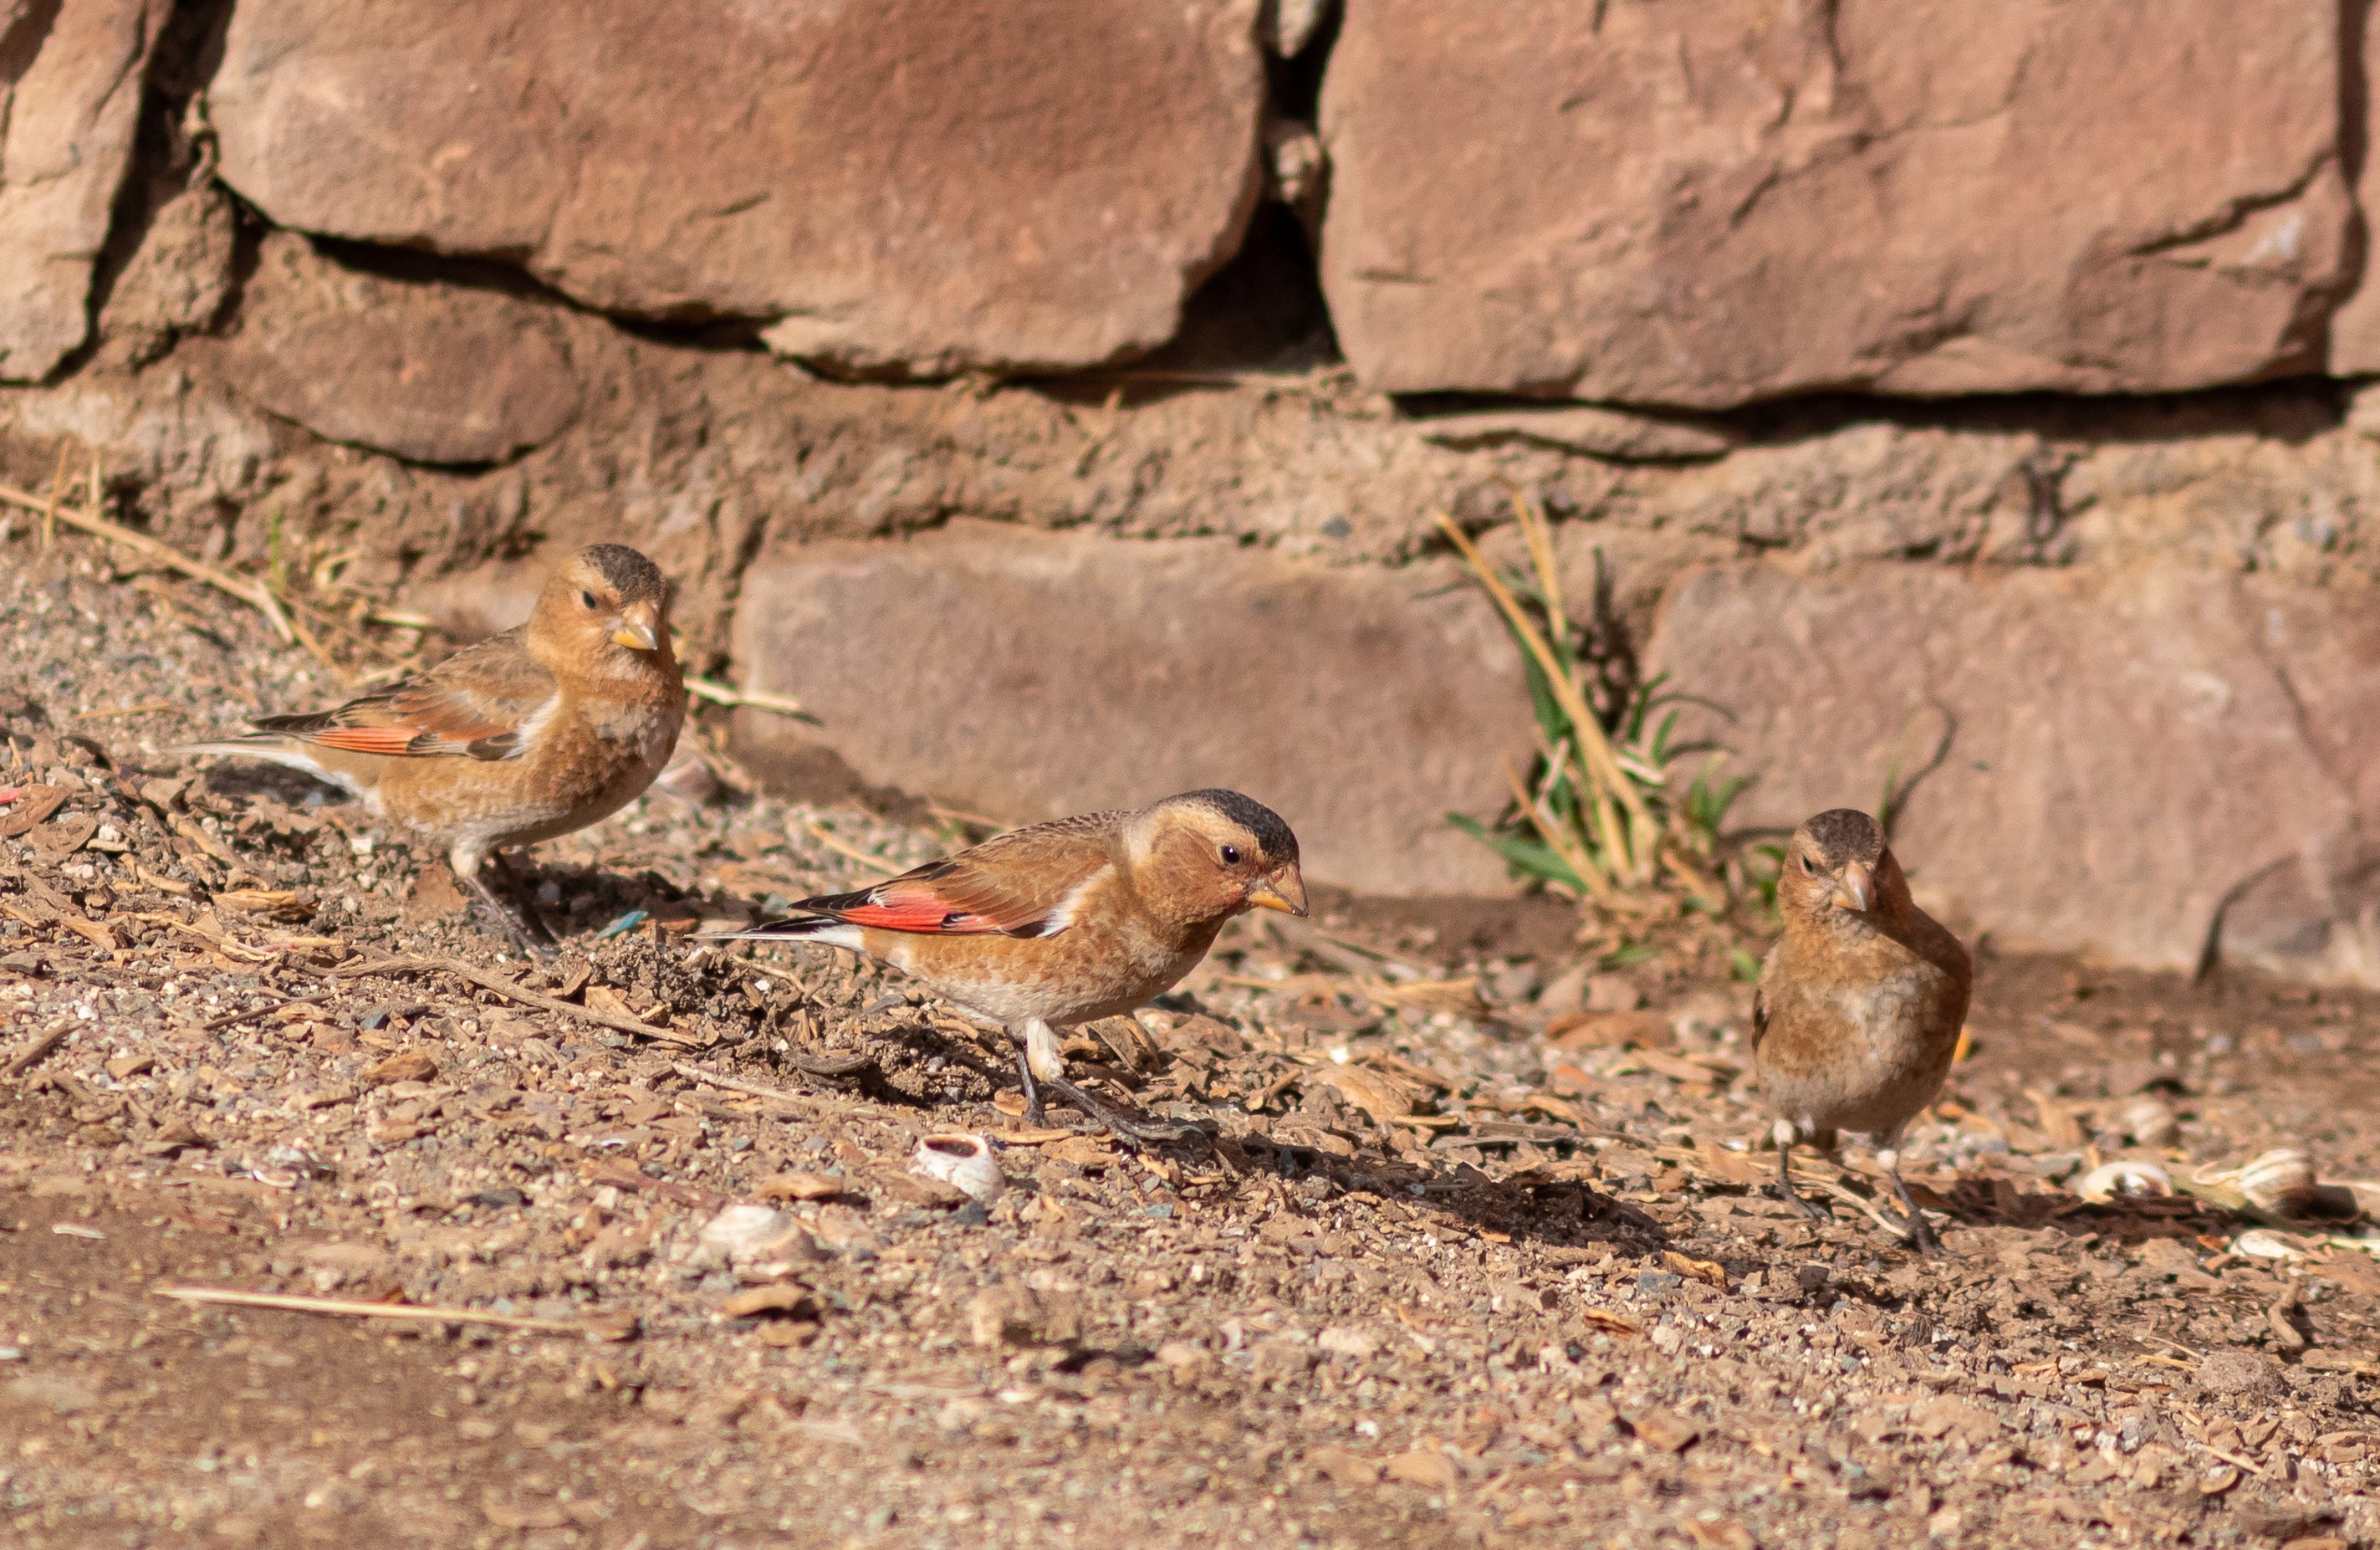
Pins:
x: 923, y: 184
x: 435, y: 374
x: 1588, y: 427
x: 1708, y: 204
x: 2135, y: 763
x: 1032, y: 675
x: 179, y: 278
x: 2355, y: 326
x: 70, y: 82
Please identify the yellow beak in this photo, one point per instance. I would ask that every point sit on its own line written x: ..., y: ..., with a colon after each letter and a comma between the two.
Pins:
x: 636, y: 633
x: 1856, y: 888
x: 1284, y: 891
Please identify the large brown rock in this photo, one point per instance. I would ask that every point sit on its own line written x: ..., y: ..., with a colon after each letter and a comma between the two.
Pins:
x: 71, y: 80
x: 2138, y: 764
x: 1705, y: 204
x: 1029, y: 675
x: 920, y: 184
x: 432, y: 373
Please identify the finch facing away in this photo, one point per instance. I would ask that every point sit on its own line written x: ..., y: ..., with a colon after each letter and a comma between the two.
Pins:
x: 533, y: 733
x: 1067, y: 922
x: 1860, y: 1003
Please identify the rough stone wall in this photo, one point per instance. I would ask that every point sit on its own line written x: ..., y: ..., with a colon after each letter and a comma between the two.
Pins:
x: 1963, y: 395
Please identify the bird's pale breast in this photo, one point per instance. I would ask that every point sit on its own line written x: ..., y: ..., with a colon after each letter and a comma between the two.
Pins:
x: 1859, y: 1043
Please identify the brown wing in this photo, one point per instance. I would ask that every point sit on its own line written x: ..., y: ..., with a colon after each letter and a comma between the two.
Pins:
x: 1759, y: 1019
x: 475, y: 703
x: 1019, y: 883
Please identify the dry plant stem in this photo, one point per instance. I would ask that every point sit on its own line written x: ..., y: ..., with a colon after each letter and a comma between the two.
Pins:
x: 1559, y: 843
x: 1642, y: 837
x: 526, y: 997
x: 693, y: 1072
x: 2247, y: 1464
x: 289, y: 1302
x: 20, y: 1064
x: 255, y: 594
x: 1605, y: 778
x: 732, y: 697
x: 238, y: 1018
x: 149, y: 707
x: 825, y: 836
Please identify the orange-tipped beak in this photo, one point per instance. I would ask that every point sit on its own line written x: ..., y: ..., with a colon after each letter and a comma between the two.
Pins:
x: 639, y: 630
x: 1856, y: 888
x: 1284, y: 891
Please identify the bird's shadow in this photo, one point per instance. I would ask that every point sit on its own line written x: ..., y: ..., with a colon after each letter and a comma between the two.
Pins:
x: 242, y: 779
x: 1529, y: 1207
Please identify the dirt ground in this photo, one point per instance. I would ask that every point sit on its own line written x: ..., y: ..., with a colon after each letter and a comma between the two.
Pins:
x: 1474, y: 1252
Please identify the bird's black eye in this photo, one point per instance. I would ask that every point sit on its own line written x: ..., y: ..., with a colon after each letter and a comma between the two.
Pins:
x: 1809, y: 866
x: 588, y: 598
x: 1231, y: 855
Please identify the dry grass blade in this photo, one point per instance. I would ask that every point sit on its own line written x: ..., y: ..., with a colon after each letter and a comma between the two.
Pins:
x: 693, y: 1072
x: 24, y: 1060
x: 254, y: 593
x: 526, y: 997
x: 1575, y: 856
x: 751, y: 698
x: 236, y: 1018
x: 1602, y: 812
x: 607, y: 1329
x: 1606, y: 780
x: 826, y: 836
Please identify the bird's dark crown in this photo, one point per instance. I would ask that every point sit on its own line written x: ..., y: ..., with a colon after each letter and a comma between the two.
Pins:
x: 1262, y: 823
x: 630, y: 574
x: 1845, y: 833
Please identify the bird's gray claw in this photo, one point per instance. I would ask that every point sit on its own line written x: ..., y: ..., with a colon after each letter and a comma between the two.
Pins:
x: 1114, y: 1120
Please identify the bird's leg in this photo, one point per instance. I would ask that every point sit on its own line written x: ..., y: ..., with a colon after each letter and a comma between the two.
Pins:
x: 1785, y: 1190
x: 466, y: 860
x: 1045, y: 1059
x: 1921, y: 1231
x: 1034, y: 1114
x: 1041, y: 1051
x: 524, y: 899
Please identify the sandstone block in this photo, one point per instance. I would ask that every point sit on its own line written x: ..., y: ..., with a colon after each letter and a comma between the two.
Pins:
x: 1707, y: 205
x: 436, y: 373
x: 921, y: 185
x: 70, y: 81
x: 1030, y: 675
x: 2135, y: 764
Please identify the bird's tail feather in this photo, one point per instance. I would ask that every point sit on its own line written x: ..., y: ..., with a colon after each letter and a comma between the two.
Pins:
x: 252, y: 745
x: 794, y: 928
x: 273, y: 751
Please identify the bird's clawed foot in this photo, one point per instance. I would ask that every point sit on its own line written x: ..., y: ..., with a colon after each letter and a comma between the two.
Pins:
x: 1917, y: 1231
x: 1139, y: 1132
x: 517, y: 918
x: 1810, y: 1210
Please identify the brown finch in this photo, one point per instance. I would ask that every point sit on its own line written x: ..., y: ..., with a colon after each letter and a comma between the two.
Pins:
x: 1860, y: 1003
x: 1067, y: 922
x: 545, y: 728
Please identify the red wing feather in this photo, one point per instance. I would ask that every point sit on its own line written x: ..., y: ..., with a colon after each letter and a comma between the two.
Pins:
x: 1025, y: 883
x: 391, y: 740
x: 906, y: 905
